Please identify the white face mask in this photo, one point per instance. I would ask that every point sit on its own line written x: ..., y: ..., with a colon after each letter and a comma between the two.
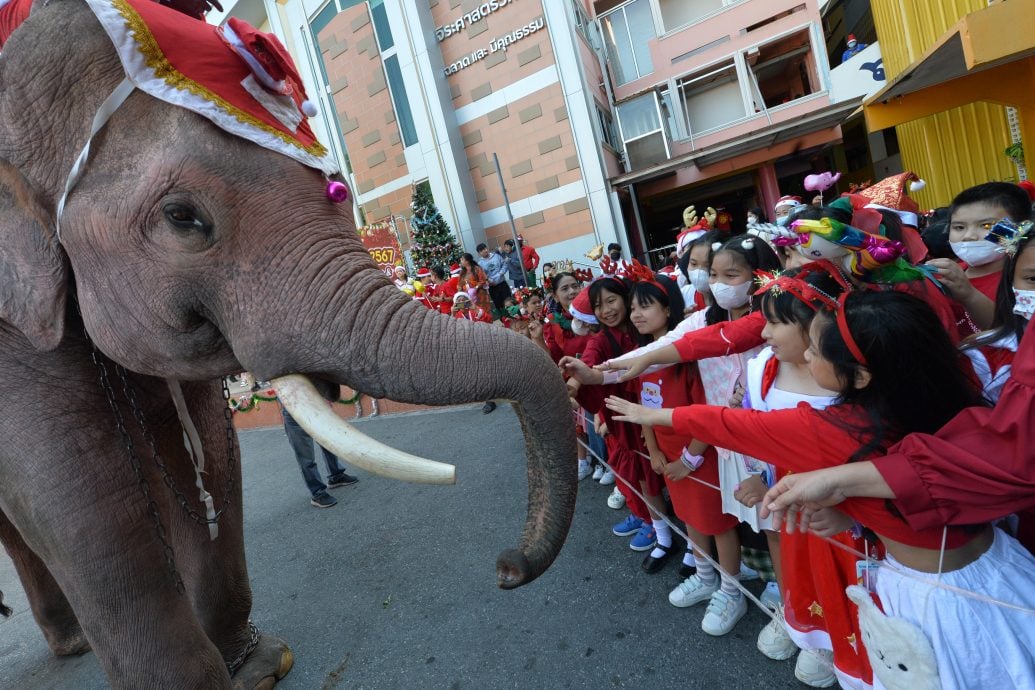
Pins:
x: 1024, y: 303
x: 976, y: 252
x: 752, y: 220
x: 731, y: 296
x: 699, y: 279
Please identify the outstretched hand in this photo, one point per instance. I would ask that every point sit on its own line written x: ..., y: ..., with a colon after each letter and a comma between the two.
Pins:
x: 797, y: 498
x: 626, y: 411
x: 580, y: 371
x: 631, y: 368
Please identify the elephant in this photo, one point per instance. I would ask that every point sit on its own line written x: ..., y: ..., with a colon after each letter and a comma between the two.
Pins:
x: 187, y: 253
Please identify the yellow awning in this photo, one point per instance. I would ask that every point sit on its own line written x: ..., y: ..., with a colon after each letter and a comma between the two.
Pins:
x: 989, y: 55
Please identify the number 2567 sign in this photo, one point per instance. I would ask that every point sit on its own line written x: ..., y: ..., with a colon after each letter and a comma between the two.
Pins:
x: 382, y: 255
x: 382, y: 245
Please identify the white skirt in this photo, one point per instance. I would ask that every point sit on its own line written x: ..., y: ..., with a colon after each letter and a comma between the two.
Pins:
x: 732, y: 471
x: 977, y: 644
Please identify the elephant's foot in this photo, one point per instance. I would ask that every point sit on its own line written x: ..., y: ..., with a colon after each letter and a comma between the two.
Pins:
x: 67, y: 642
x: 269, y: 662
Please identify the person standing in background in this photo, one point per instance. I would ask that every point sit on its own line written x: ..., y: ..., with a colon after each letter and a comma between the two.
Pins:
x: 496, y: 273
x: 515, y: 266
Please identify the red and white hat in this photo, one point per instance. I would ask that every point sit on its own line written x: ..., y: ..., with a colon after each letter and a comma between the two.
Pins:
x: 787, y: 201
x: 581, y: 308
x: 892, y: 194
x: 454, y: 270
x: 423, y: 272
x: 689, y: 235
x: 240, y: 78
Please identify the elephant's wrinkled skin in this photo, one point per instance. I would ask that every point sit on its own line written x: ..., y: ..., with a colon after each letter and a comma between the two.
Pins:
x: 273, y: 280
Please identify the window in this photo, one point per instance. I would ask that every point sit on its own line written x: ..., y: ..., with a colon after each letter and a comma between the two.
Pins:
x: 581, y: 18
x: 677, y: 13
x: 401, y: 102
x: 642, y: 132
x: 711, y: 98
x: 626, y: 33
x: 607, y: 128
x: 782, y: 71
x: 381, y: 26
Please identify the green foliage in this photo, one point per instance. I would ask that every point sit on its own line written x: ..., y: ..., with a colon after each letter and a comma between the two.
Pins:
x: 432, y: 242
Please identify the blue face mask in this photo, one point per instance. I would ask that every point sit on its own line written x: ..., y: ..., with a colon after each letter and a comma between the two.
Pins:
x: 783, y: 221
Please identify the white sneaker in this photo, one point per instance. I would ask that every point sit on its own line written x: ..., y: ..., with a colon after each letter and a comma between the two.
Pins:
x: 616, y: 500
x: 598, y: 472
x: 815, y: 668
x: 746, y: 573
x: 774, y: 641
x: 584, y: 469
x: 692, y: 591
x: 607, y: 478
x: 723, y: 613
x: 771, y: 598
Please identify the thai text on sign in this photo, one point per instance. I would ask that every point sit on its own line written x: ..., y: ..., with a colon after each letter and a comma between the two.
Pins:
x: 501, y: 43
x: 474, y: 16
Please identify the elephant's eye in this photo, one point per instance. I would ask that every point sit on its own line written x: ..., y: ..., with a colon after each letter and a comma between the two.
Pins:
x: 184, y: 217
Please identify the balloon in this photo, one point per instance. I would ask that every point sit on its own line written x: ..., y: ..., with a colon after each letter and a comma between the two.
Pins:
x: 821, y: 182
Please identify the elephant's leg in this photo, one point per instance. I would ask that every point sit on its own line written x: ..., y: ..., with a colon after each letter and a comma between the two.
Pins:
x: 49, y: 606
x: 214, y: 572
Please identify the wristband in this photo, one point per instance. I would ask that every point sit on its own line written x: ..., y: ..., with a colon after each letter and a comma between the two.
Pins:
x: 691, y: 462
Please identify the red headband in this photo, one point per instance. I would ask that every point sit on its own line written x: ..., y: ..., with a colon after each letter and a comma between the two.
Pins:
x: 799, y: 288
x: 846, y: 333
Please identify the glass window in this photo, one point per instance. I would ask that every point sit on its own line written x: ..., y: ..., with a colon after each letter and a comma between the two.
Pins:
x: 677, y: 13
x: 711, y: 99
x: 607, y: 128
x: 402, y: 104
x: 627, y: 31
x: 381, y: 26
x: 782, y: 71
x: 642, y: 132
x: 323, y: 18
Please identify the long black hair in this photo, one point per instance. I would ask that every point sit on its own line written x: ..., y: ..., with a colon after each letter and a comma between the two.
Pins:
x: 916, y: 382
x: 664, y: 292
x: 751, y: 251
x: 618, y: 287
x: 781, y: 306
x: 1005, y: 322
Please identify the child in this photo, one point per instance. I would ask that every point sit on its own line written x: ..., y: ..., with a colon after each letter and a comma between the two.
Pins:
x: 862, y: 350
x: 808, y: 568
x: 974, y: 211
x: 609, y: 298
x: 558, y: 338
x: 464, y: 309
x: 656, y: 307
x: 693, y: 271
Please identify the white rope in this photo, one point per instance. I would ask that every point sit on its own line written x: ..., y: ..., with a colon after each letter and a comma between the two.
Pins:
x: 937, y: 584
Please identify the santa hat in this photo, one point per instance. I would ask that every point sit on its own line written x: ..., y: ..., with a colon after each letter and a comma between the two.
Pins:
x: 582, y: 309
x: 788, y: 202
x: 424, y: 272
x: 851, y: 37
x: 454, y: 270
x: 461, y: 295
x: 892, y: 194
x: 1029, y: 188
x: 669, y: 271
x: 688, y: 235
x: 240, y: 78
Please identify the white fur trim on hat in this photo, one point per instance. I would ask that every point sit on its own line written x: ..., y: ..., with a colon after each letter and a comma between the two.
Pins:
x: 585, y: 318
x: 461, y: 295
x: 907, y: 217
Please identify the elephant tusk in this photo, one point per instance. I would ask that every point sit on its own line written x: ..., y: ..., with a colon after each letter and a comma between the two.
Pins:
x: 301, y: 399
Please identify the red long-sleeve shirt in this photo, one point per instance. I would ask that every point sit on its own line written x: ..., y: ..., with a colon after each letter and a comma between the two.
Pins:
x: 802, y: 439
x: 529, y: 257
x: 721, y: 339
x: 978, y: 467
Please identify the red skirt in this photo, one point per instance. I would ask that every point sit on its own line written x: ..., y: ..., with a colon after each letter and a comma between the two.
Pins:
x: 698, y: 505
x: 633, y: 468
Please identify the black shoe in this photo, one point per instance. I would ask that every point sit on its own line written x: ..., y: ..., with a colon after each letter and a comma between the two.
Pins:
x: 323, y: 501
x: 488, y: 407
x: 652, y: 565
x: 685, y: 570
x: 341, y: 480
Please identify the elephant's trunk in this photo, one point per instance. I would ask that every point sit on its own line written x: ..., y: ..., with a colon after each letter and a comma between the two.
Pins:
x: 388, y: 346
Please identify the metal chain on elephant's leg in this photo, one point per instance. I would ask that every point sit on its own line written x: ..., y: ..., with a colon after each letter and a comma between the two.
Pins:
x: 166, y: 476
x: 134, y: 461
x: 253, y: 642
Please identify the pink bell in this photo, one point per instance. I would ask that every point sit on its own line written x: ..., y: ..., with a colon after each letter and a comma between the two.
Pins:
x: 337, y: 192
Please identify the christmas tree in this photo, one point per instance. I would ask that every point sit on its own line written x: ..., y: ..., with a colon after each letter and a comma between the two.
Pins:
x: 432, y: 241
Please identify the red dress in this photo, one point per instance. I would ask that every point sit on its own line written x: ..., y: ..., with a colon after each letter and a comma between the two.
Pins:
x: 695, y: 503
x: 623, y: 439
x: 560, y: 340
x: 446, y: 290
x: 475, y: 314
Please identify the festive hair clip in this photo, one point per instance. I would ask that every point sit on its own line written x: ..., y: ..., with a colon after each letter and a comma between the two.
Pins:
x: 583, y: 275
x: 716, y: 246
x: 747, y: 243
x: 608, y: 266
x: 776, y: 284
x: 1008, y: 235
x: 637, y: 272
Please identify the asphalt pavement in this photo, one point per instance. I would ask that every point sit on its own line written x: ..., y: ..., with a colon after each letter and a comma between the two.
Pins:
x: 395, y: 586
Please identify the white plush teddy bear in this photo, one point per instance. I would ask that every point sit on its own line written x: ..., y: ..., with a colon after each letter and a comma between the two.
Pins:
x: 900, y: 654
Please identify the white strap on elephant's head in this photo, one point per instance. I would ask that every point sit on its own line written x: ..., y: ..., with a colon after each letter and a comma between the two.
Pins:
x: 104, y: 113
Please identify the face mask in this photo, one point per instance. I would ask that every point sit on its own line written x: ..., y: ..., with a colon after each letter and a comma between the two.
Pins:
x: 1024, y: 304
x: 976, y: 252
x: 731, y: 296
x: 851, y: 44
x: 752, y: 220
x: 699, y: 279
x: 579, y: 327
x: 783, y: 221
x: 615, y: 256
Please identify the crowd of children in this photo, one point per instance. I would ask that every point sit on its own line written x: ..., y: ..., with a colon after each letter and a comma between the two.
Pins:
x: 817, y: 341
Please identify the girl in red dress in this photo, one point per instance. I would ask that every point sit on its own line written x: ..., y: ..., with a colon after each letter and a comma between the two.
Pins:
x: 475, y: 283
x: 863, y: 350
x: 656, y: 308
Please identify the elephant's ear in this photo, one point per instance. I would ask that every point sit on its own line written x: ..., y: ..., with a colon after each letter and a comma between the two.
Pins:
x: 33, y: 272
